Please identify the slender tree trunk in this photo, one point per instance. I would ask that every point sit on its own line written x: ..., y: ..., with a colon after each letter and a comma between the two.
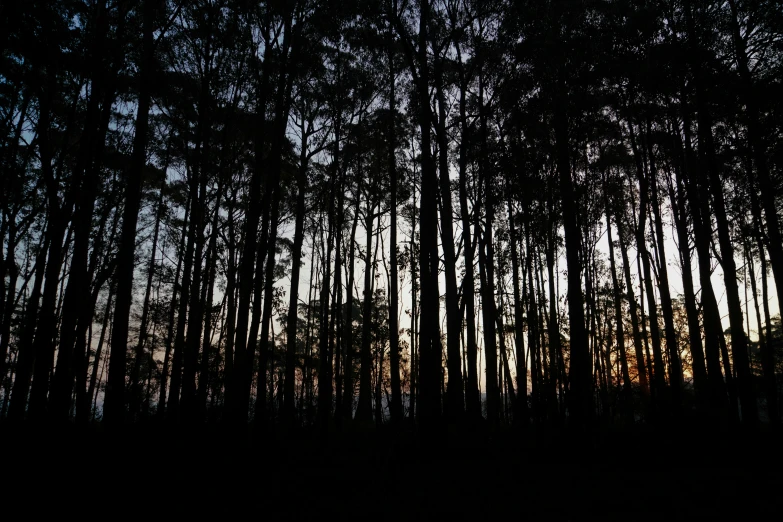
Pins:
x: 349, y: 350
x: 751, y: 98
x: 618, y: 314
x: 8, y: 304
x: 635, y: 327
x: 658, y: 378
x: 198, y: 187
x: 26, y: 357
x: 520, y: 413
x: 675, y: 367
x: 739, y: 347
x: 555, y: 346
x: 231, y: 305
x: 579, y: 373
x: 364, y: 408
x: 694, y: 329
x: 238, y: 388
x: 185, y: 298
x: 472, y: 399
x: 395, y: 408
x: 44, y: 344
x: 429, y: 336
x: 114, y: 409
x: 698, y: 198
x: 178, y: 284
x: 293, y: 303
x: 204, y: 365
x: 767, y: 355
x: 135, y: 398
x: 86, y: 177
x: 487, y: 271
x: 455, y: 396
x: 324, y: 368
x: 283, y: 105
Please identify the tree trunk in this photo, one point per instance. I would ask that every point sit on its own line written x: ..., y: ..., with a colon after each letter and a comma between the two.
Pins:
x: 675, y: 367
x: 627, y: 404
x: 520, y: 413
x: 26, y: 350
x: 750, y: 98
x: 680, y: 216
x: 698, y: 198
x: 767, y: 355
x: 212, y: 254
x: 178, y: 283
x: 135, y: 398
x: 487, y: 272
x: 282, y: 109
x: 636, y: 332
x: 659, y: 390
x: 114, y: 409
x: 429, y: 335
x: 293, y: 302
x: 395, y: 408
x: 579, y: 374
x: 455, y: 395
x: 349, y: 351
x: 472, y: 399
x: 364, y: 408
x: 238, y: 388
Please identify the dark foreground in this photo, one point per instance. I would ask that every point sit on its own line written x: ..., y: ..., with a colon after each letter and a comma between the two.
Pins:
x: 367, y: 474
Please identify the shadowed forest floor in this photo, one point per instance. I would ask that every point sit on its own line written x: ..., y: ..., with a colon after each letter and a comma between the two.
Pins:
x: 364, y: 474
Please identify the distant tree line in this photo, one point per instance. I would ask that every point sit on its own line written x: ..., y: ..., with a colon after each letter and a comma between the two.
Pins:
x: 310, y: 211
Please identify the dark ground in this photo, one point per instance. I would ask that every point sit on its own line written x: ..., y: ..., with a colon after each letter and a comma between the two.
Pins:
x: 368, y: 474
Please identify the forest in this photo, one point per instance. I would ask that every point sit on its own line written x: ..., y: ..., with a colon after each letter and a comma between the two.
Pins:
x: 433, y: 217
